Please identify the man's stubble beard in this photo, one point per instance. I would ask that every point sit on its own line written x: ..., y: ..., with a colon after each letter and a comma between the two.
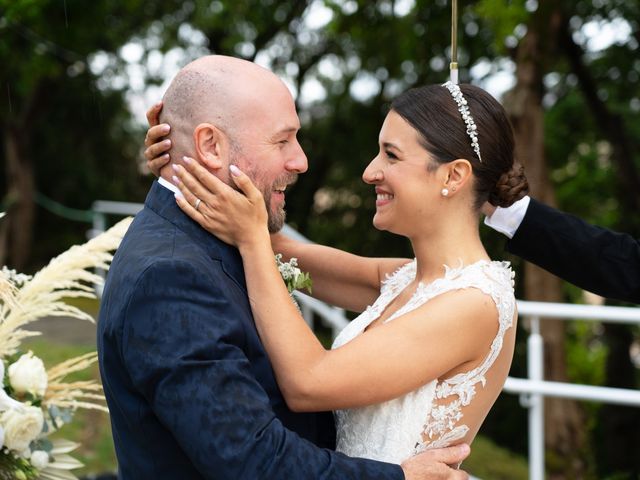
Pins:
x: 276, y: 217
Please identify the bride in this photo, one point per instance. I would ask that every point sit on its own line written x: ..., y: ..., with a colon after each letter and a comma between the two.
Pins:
x: 427, y: 357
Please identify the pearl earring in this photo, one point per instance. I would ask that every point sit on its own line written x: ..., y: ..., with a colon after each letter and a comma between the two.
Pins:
x: 445, y: 192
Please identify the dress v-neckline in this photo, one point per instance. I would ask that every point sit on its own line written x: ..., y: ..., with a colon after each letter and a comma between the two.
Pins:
x: 421, y: 287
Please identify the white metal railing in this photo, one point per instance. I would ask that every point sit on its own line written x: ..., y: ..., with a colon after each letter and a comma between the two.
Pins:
x: 532, y: 390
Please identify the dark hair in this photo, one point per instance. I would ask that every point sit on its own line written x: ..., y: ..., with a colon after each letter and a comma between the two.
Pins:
x: 433, y: 112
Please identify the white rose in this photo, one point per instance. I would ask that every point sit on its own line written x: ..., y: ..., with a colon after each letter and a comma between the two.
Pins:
x: 28, y: 375
x: 21, y: 427
x: 40, y: 459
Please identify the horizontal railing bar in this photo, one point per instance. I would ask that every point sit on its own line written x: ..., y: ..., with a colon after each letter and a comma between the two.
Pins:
x: 618, y: 396
x: 333, y: 315
x: 116, y: 208
x: 564, y: 311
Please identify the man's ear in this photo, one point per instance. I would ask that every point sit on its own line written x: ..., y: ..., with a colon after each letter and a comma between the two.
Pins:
x: 212, y: 146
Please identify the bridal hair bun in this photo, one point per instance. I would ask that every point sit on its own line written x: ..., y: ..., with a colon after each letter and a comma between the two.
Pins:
x: 510, y: 188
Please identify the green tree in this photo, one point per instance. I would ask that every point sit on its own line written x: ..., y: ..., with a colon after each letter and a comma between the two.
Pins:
x: 63, y: 135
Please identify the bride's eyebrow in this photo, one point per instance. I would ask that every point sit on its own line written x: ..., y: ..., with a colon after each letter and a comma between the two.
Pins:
x: 391, y: 146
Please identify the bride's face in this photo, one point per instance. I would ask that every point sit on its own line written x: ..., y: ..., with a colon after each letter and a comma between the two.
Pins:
x: 407, y: 191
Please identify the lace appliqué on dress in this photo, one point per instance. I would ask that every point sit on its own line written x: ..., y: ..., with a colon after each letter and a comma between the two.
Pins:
x: 394, y: 430
x: 443, y: 427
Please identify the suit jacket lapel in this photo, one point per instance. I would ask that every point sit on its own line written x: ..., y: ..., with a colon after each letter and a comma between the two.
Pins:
x: 161, y: 201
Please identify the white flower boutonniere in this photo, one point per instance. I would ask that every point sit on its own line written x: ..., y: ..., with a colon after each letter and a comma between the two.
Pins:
x: 294, y: 278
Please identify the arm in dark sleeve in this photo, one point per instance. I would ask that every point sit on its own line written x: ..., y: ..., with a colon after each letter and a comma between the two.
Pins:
x: 594, y: 258
x: 183, y: 347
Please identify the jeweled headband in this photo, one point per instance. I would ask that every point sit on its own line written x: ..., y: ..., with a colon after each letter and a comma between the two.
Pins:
x: 472, y: 130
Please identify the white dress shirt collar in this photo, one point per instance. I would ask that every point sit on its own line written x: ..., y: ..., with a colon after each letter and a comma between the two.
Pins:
x: 169, y: 185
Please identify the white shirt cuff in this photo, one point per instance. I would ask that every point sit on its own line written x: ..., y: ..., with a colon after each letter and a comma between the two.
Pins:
x: 507, y: 220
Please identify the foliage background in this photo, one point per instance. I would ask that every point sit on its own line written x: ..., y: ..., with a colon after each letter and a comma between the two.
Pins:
x: 73, y: 70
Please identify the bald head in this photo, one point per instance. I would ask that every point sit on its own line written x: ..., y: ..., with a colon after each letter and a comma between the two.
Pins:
x: 223, y: 91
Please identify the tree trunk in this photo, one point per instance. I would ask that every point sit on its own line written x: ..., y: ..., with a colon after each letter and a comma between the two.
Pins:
x: 16, y: 229
x: 564, y: 427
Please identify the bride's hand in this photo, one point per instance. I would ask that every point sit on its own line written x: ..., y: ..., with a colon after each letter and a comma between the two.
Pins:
x: 158, y: 147
x: 436, y: 464
x: 237, y: 218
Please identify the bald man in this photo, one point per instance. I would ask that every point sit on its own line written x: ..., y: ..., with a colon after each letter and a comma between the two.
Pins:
x: 191, y: 392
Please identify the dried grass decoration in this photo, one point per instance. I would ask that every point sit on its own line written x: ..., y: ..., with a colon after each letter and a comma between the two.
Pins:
x: 34, y: 401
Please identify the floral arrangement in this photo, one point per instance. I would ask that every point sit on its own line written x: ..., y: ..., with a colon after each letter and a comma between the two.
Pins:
x: 36, y: 401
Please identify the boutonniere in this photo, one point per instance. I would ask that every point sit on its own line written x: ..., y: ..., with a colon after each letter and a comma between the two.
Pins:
x: 294, y: 278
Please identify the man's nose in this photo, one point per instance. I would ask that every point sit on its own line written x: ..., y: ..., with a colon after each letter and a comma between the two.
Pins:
x: 298, y: 161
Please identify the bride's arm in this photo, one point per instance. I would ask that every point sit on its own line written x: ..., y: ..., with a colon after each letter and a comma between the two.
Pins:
x: 339, y: 278
x: 383, y: 363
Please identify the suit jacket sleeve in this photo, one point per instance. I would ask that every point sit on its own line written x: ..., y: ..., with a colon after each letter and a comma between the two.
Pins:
x: 182, y: 346
x: 594, y: 258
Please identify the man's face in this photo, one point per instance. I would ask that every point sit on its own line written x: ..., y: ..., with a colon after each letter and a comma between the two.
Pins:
x: 269, y: 152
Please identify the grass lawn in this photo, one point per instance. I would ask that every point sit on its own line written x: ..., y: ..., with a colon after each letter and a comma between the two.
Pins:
x: 488, y: 461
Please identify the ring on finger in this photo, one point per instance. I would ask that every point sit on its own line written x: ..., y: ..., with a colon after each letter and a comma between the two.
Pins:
x: 197, y: 204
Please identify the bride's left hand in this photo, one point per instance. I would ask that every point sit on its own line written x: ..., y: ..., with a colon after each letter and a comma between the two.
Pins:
x: 237, y: 218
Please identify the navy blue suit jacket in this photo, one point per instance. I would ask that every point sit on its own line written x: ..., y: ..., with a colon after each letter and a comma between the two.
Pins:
x: 191, y: 392
x: 593, y: 258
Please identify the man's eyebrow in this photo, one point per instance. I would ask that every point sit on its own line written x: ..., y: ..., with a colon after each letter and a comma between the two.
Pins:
x: 289, y: 130
x: 286, y: 131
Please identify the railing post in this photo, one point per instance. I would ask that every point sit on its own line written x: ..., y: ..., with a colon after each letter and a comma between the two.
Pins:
x: 307, y: 314
x: 99, y: 226
x: 535, y: 370
x: 335, y: 328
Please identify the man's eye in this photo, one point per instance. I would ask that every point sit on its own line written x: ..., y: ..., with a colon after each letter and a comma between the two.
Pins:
x: 390, y: 154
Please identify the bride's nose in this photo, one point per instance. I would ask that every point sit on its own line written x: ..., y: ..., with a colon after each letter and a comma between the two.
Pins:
x: 373, y: 173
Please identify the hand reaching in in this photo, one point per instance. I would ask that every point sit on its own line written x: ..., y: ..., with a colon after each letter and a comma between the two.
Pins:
x: 436, y: 464
x: 236, y: 217
x: 158, y: 147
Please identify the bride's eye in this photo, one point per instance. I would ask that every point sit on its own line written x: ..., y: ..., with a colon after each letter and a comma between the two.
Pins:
x: 391, y: 155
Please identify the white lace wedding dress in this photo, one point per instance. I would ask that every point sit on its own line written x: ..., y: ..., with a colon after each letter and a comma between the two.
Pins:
x: 430, y: 416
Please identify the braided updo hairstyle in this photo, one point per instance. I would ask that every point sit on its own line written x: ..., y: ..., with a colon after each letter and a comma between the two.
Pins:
x: 434, y: 114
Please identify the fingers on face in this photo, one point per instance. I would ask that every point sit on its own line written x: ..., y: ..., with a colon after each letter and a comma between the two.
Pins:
x: 153, y: 114
x: 207, y: 179
x: 157, y: 150
x: 245, y: 184
x: 187, y: 207
x: 191, y: 188
x: 156, y: 133
x: 157, y: 163
x: 209, y: 182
